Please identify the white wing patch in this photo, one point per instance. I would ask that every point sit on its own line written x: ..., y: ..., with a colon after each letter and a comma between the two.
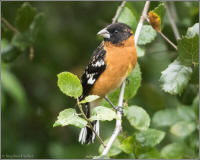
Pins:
x: 98, y: 63
x: 91, y: 80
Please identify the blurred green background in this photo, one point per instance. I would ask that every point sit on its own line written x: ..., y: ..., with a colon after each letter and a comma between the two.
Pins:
x: 31, y: 99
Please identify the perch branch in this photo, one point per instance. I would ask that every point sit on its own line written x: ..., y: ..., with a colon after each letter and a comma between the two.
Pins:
x: 118, y: 125
x: 142, y: 18
x: 89, y: 124
x: 119, y: 10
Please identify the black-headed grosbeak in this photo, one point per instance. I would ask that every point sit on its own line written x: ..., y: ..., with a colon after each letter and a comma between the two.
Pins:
x: 109, y: 66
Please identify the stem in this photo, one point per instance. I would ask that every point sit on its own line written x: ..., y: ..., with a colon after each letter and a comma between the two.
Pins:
x: 172, y: 20
x: 90, y: 125
x: 170, y: 42
x: 119, y: 10
x: 142, y: 18
x: 118, y: 125
x: 10, y: 26
x: 31, y: 53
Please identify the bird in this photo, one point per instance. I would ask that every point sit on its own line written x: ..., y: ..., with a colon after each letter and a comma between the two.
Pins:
x: 109, y: 66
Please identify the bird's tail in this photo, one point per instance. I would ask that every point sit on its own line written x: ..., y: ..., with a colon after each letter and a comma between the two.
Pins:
x: 86, y: 135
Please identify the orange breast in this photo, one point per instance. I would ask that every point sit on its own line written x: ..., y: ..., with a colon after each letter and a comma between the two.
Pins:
x: 120, y: 60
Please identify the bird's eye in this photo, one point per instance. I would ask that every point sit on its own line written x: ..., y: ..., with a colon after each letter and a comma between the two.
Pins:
x: 116, y: 31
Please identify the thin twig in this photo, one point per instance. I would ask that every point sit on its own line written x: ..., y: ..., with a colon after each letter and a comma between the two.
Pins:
x: 31, y: 53
x: 172, y: 20
x: 108, y: 100
x: 10, y: 26
x: 142, y: 18
x: 170, y: 42
x: 118, y: 125
x: 119, y: 10
x: 90, y: 125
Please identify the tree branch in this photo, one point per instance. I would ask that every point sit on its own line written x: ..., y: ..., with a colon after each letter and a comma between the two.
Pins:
x: 170, y: 42
x: 10, y: 26
x: 119, y: 10
x: 118, y: 125
x: 172, y: 19
x: 89, y: 124
x: 142, y: 18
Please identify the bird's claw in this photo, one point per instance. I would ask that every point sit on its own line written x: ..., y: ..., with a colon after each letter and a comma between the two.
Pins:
x: 127, y: 80
x: 119, y: 109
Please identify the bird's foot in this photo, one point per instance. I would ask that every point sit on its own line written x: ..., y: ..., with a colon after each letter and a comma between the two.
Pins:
x: 119, y: 109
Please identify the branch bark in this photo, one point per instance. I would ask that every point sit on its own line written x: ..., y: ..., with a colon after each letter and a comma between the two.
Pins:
x: 119, y: 10
x: 170, y: 42
x: 10, y: 26
x: 142, y: 18
x: 118, y: 125
x: 172, y: 19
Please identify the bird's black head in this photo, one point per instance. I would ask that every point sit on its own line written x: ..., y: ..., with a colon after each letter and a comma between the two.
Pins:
x: 116, y: 33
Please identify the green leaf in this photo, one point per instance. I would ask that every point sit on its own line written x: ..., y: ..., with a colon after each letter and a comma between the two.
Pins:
x: 90, y: 98
x: 8, y: 51
x: 195, y: 75
x: 36, y: 25
x: 128, y: 17
x: 103, y: 114
x: 127, y: 145
x: 182, y: 128
x: 175, y: 78
x: 150, y: 137
x: 114, y: 150
x: 165, y: 118
x: 151, y: 153
x: 188, y: 50
x: 195, y: 106
x: 69, y: 117
x: 186, y: 113
x: 4, y: 44
x: 156, y: 16
x: 13, y: 87
x: 26, y: 39
x: 22, y: 40
x: 25, y: 15
x: 174, y: 151
x: 140, y: 51
x: 69, y: 84
x: 133, y: 84
x: 192, y: 31
x: 137, y: 117
x: 147, y: 35
x: 101, y: 157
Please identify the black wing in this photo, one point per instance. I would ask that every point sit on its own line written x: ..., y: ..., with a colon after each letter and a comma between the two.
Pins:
x: 94, y: 69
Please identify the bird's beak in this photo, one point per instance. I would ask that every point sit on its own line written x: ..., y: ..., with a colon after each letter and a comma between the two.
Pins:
x: 104, y: 33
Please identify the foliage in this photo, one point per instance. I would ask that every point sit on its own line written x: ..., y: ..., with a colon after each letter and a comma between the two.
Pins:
x: 137, y: 117
x: 69, y: 116
x: 188, y: 46
x: 175, y: 78
x: 69, y: 84
x: 161, y: 102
